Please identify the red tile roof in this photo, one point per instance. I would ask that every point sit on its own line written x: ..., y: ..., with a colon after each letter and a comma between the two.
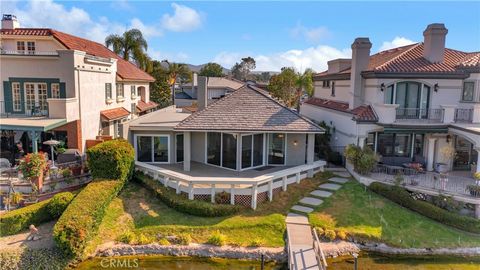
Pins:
x: 409, y: 59
x: 364, y: 113
x: 125, y: 69
x: 114, y: 114
x: 144, y: 106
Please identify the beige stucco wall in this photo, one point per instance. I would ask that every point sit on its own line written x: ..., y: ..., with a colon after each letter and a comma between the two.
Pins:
x: 342, y: 90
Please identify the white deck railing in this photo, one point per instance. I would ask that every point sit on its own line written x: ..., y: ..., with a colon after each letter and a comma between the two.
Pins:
x: 199, y: 185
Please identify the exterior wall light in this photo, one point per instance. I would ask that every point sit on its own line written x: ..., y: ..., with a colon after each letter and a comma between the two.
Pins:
x: 435, y: 87
x: 295, y: 142
x: 382, y: 87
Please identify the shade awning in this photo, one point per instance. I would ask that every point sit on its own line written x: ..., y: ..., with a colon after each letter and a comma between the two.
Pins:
x: 114, y: 114
x: 421, y: 130
x: 31, y: 123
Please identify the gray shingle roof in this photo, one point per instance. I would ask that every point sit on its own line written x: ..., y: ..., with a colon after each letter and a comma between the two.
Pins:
x: 248, y: 109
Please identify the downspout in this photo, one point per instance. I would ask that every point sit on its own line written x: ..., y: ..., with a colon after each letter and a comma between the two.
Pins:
x: 79, y: 105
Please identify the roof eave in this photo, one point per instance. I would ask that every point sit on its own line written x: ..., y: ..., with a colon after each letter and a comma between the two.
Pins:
x: 334, y: 76
x: 415, y: 75
x: 250, y: 130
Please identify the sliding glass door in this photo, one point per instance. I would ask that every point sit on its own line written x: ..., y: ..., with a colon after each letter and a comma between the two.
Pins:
x: 152, y: 148
x: 222, y: 149
x: 252, y: 151
x: 276, y: 148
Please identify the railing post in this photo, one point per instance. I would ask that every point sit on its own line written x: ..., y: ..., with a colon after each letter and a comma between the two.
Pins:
x: 190, y: 191
x: 212, y: 194
x: 165, y: 181
x: 232, y: 194
x: 270, y: 190
x: 297, y: 175
x: 254, y: 196
x: 178, y: 187
x: 284, y: 183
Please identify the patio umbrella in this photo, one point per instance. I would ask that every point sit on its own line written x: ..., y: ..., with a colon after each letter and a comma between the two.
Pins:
x: 52, y: 143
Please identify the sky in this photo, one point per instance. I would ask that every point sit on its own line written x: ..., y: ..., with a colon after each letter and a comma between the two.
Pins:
x: 276, y: 33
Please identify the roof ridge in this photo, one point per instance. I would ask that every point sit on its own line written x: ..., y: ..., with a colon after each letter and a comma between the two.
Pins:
x: 398, y: 56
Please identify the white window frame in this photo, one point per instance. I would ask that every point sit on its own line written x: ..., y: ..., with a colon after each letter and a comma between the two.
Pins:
x: 119, y: 86
x: 16, y: 97
x: 251, y: 161
x: 30, y: 49
x: 55, y: 90
x: 152, y: 152
x: 133, y: 91
x: 36, y: 96
x: 284, y: 146
x: 24, y: 47
x: 221, y: 150
x: 463, y: 90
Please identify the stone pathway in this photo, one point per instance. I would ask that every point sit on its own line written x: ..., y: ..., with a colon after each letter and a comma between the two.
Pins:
x: 338, y: 180
x: 342, y: 174
x: 311, y: 201
x: 329, y: 186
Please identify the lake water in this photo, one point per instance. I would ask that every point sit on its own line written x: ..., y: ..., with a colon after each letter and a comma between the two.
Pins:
x: 365, y: 262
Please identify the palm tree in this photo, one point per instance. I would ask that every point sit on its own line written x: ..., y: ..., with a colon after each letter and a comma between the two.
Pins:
x: 174, y: 72
x: 130, y: 46
x: 303, y: 82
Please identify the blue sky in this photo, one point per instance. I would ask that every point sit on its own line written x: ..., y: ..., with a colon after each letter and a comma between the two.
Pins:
x: 299, y: 34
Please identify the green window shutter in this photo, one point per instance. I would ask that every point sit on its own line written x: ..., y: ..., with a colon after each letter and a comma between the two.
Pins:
x: 63, y: 91
x: 7, y: 95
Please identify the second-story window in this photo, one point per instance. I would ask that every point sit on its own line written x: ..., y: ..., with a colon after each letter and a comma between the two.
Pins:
x: 333, y: 89
x: 108, y: 92
x: 21, y: 46
x: 133, y: 91
x: 133, y: 108
x: 468, y: 91
x: 120, y: 93
x: 31, y: 47
x: 16, y: 97
x: 55, y: 90
x: 325, y: 83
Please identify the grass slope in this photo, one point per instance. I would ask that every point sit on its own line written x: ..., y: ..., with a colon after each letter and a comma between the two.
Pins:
x: 365, y: 214
x: 136, y: 210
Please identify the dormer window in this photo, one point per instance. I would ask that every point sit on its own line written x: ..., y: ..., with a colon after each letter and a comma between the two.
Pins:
x: 326, y: 84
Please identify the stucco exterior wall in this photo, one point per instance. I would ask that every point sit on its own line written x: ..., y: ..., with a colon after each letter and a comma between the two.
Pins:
x: 198, y: 146
x: 342, y: 90
x: 296, y: 154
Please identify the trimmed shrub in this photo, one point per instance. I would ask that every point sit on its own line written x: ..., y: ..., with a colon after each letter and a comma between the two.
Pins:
x: 217, y: 239
x: 80, y: 221
x: 114, y: 159
x: 330, y: 234
x: 20, y: 219
x: 363, y: 160
x: 182, y: 204
x: 59, y: 203
x: 403, y: 198
x: 342, y: 235
x: 184, y: 239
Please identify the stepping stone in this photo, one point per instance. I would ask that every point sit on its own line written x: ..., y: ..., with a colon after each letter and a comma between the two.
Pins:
x: 342, y: 174
x: 330, y: 186
x: 302, y: 209
x: 338, y: 180
x: 297, y: 219
x: 311, y: 201
x: 321, y: 193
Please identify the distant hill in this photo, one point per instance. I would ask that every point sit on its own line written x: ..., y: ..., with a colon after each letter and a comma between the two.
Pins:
x: 196, y: 68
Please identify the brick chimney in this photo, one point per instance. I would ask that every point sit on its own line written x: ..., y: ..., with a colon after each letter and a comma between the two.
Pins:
x: 202, y: 96
x: 434, y: 42
x: 9, y: 21
x: 360, y: 59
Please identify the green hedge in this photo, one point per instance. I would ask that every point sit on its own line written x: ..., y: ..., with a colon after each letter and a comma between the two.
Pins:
x: 402, y: 197
x: 182, y: 204
x: 20, y: 219
x: 112, y: 159
x: 80, y: 221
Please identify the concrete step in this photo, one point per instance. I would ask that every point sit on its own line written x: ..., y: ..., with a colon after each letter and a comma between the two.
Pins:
x: 342, y: 174
x: 321, y: 193
x: 302, y: 209
x: 305, y: 259
x: 296, y: 219
x: 338, y: 180
x: 311, y: 201
x: 330, y: 186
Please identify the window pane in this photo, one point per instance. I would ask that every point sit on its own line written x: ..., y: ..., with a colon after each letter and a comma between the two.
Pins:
x: 160, y: 149
x: 370, y: 141
x: 468, y: 91
x: 246, y: 151
x: 402, y: 145
x: 424, y: 103
x: 42, y: 96
x: 16, y: 96
x: 257, y: 150
x: 276, y: 148
x: 213, y: 148
x: 30, y: 95
x: 229, y: 151
x: 385, y: 144
x: 413, y: 95
x: 144, y: 149
x: 179, y: 147
x: 389, y: 95
x: 418, y: 144
x: 401, y: 94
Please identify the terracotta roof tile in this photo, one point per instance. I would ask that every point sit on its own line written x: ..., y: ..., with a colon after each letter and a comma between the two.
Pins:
x: 125, y: 69
x: 115, y: 113
x: 248, y: 109
x: 364, y: 113
x: 144, y: 106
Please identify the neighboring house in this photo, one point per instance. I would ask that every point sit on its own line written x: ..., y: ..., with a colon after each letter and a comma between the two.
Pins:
x: 242, y: 142
x: 406, y: 103
x: 55, y: 85
x: 218, y: 87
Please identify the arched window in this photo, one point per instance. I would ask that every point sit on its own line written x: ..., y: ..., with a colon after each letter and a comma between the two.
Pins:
x: 409, y: 95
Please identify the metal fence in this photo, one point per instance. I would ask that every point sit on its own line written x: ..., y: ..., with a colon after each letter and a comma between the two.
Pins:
x: 463, y: 115
x: 430, y: 115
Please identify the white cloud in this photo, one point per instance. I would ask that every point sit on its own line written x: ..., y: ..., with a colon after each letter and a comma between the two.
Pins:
x: 313, y: 57
x: 147, y: 30
x: 313, y: 35
x: 184, y: 19
x: 180, y: 57
x: 396, y: 42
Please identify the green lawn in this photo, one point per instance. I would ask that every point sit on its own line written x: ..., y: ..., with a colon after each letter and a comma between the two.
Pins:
x: 136, y: 210
x: 365, y: 214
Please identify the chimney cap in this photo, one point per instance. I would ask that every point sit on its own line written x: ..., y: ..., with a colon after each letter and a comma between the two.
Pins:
x: 362, y: 42
x: 436, y: 28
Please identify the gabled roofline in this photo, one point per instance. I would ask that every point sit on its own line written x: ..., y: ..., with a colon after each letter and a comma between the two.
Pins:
x: 415, y: 75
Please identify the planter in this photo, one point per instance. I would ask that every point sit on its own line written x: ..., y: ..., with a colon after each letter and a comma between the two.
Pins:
x: 77, y: 170
x: 38, y: 181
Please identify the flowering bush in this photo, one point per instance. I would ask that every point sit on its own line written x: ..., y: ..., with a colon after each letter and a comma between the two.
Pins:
x: 476, y: 176
x: 33, y: 165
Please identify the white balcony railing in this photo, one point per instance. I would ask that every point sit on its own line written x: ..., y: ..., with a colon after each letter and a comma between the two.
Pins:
x: 29, y: 53
x: 424, y: 115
